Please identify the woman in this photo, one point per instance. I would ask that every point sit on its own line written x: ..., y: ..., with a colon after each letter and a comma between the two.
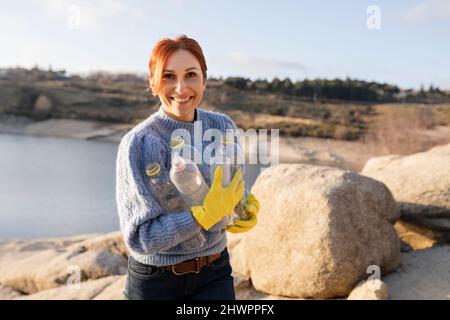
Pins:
x: 165, y: 260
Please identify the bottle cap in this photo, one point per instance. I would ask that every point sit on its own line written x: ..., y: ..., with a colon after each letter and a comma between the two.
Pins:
x: 152, y: 169
x: 179, y: 163
x: 227, y: 139
x: 177, y: 142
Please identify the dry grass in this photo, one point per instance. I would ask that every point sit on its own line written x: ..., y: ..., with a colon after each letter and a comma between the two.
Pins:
x: 406, y: 129
x: 293, y: 116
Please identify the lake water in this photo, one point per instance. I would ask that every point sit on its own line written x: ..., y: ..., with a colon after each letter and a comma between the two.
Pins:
x: 51, y: 187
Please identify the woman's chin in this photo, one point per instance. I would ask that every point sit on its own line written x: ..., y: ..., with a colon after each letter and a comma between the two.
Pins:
x: 183, y: 113
x: 184, y: 108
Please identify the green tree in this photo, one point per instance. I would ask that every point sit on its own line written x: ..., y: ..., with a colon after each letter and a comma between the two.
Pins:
x: 276, y: 85
x: 287, y: 87
x: 236, y: 82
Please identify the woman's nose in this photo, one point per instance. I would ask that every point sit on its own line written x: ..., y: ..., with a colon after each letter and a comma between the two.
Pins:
x: 180, y: 85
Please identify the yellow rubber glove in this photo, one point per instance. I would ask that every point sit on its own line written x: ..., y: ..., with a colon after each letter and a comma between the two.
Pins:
x: 219, y: 201
x: 252, y: 209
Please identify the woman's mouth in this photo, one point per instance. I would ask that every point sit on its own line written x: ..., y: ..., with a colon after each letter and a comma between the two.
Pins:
x: 181, y: 101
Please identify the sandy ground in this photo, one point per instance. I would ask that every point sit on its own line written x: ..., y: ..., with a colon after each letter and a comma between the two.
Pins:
x: 423, y: 275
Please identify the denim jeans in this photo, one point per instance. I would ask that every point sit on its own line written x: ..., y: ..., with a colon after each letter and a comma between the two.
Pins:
x: 213, y: 282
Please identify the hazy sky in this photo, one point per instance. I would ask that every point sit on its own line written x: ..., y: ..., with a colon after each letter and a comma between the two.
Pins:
x: 264, y: 39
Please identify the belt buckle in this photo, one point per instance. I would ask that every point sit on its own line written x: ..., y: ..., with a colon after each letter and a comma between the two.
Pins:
x: 197, y: 269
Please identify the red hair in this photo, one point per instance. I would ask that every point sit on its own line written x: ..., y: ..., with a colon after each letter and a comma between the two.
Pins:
x: 162, y: 51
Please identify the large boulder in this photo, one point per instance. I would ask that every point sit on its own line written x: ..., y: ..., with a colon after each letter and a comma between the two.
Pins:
x: 318, y: 231
x: 420, y: 183
x: 36, y: 265
x: 244, y: 290
x: 237, y: 255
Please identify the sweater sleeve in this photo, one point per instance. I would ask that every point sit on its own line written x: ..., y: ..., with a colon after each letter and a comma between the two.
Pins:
x: 144, y: 229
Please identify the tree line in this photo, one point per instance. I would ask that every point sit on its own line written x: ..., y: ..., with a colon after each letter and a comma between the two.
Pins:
x: 348, y: 89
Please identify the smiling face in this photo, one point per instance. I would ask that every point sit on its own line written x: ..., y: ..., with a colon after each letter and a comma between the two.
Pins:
x: 182, y: 85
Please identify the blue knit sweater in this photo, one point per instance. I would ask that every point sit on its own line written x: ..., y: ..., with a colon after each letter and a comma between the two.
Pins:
x: 150, y: 236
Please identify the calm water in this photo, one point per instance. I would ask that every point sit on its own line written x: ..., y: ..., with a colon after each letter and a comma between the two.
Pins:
x: 53, y: 187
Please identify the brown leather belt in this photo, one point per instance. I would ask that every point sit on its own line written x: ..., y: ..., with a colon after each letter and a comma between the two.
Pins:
x: 192, y: 266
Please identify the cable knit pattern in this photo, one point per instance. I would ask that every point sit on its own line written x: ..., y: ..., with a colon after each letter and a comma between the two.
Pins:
x: 153, y: 237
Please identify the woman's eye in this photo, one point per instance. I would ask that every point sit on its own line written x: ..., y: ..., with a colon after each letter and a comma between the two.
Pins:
x: 192, y: 74
x: 168, y: 76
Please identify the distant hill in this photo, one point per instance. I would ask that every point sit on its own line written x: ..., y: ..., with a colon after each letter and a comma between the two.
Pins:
x: 123, y: 98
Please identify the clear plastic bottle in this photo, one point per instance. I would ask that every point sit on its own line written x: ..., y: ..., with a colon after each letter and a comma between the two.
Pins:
x: 164, y: 190
x: 189, y: 181
x: 230, y: 156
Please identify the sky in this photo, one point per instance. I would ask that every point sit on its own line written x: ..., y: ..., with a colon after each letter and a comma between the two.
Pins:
x: 404, y: 42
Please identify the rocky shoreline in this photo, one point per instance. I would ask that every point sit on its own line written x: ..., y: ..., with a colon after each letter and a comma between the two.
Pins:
x: 47, y: 269
x: 64, y: 128
x: 410, y: 222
